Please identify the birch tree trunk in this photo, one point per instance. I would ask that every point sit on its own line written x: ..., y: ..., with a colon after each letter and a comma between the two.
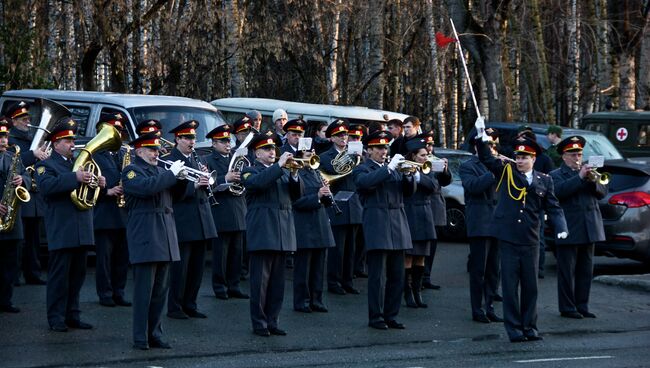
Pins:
x: 435, y: 75
x: 574, y: 65
x: 332, y: 67
x: 541, y: 67
x: 375, y: 76
x: 643, y: 84
x: 233, y: 33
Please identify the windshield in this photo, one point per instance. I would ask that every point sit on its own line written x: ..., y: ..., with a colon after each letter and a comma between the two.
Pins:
x: 599, y: 145
x: 172, y: 116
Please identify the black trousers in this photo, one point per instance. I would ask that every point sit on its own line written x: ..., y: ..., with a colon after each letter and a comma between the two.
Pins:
x: 66, y: 275
x: 385, y: 284
x: 308, y: 269
x: 519, y: 266
x: 31, y: 265
x: 483, y: 274
x: 360, y: 253
x: 340, y: 259
x: 112, y: 264
x: 267, y: 287
x: 227, y: 261
x: 186, y: 276
x: 8, y: 270
x: 150, y: 287
x: 575, y: 270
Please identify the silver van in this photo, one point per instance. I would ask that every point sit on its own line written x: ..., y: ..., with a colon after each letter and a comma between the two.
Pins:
x: 86, y: 108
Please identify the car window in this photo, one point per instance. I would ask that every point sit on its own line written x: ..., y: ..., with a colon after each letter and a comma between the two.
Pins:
x: 598, y: 145
x: 622, y: 179
x: 171, y: 116
x: 597, y: 127
x: 642, y: 140
x: 455, y: 160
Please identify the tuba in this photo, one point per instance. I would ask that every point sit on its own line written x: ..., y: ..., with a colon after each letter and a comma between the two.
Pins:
x: 108, y: 138
x: 12, y: 194
x: 343, y: 164
x: 50, y: 112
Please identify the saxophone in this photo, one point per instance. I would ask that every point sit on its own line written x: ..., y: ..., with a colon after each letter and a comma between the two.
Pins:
x: 12, y: 194
x: 126, y: 161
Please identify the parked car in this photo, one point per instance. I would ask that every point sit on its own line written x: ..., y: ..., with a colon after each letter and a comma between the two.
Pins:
x: 628, y: 130
x: 625, y: 210
x: 454, y: 195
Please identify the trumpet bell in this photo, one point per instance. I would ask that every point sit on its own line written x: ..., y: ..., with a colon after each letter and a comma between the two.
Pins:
x: 604, y: 178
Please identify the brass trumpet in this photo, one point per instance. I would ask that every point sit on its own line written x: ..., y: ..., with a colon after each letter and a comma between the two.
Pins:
x: 191, y: 174
x: 594, y: 176
x: 410, y: 167
x: 300, y: 163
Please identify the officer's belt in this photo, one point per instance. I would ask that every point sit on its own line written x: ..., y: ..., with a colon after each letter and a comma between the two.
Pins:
x: 139, y: 211
x: 270, y: 206
x: 389, y: 205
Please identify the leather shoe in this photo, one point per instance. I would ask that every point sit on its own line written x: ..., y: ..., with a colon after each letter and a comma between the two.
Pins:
x: 36, y: 281
x: 159, y: 344
x: 75, y: 323
x: 521, y: 338
x: 494, y: 318
x: 429, y: 285
x: 107, y: 302
x: 264, y: 332
x: 303, y: 309
x: 587, y: 314
x: 141, y: 345
x: 278, y: 332
x: 361, y: 274
x: 351, y: 290
x: 497, y: 298
x: 194, y: 313
x: 9, y: 309
x: 534, y: 338
x: 319, y: 308
x: 59, y: 327
x: 337, y: 290
x: 394, y: 324
x: 237, y: 294
x: 379, y: 325
x: 575, y: 315
x: 178, y: 315
x: 222, y: 296
x: 121, y: 301
x: 481, y: 318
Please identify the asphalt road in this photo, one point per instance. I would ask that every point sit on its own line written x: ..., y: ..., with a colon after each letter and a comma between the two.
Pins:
x: 442, y: 335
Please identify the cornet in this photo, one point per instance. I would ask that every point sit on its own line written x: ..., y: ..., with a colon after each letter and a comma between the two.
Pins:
x: 410, y: 167
x: 191, y: 174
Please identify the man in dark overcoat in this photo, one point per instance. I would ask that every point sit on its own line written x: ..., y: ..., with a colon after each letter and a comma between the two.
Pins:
x: 381, y: 188
x: 578, y: 191
x: 69, y: 229
x: 523, y: 194
x: 270, y: 233
x: 229, y: 218
x: 152, y: 240
x: 195, y: 228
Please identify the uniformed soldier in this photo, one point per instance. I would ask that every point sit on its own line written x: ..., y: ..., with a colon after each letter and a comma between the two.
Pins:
x: 346, y: 225
x: 229, y: 218
x: 270, y: 234
x: 523, y: 194
x: 294, y: 129
x: 313, y: 236
x: 439, y: 206
x: 152, y: 240
x: 480, y: 200
x: 32, y: 212
x: 112, y: 261
x: 241, y: 129
x: 355, y: 134
x: 578, y: 192
x: 195, y: 228
x: 554, y: 135
x: 69, y: 229
x: 9, y: 238
x: 381, y: 188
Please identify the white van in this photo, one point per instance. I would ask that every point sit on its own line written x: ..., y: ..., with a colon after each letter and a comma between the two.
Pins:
x: 234, y: 108
x: 86, y: 108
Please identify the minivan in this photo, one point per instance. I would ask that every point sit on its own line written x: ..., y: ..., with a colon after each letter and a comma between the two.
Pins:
x: 627, y: 130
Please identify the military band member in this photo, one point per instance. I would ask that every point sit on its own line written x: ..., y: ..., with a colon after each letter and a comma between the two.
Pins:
x: 347, y: 224
x: 313, y: 236
x: 355, y: 134
x: 229, y: 218
x: 10, y: 239
x: 294, y: 129
x: 112, y: 261
x: 241, y: 129
x: 439, y: 206
x: 578, y: 192
x: 69, y: 229
x: 419, y: 212
x: 152, y: 240
x: 381, y: 188
x: 480, y: 200
x: 195, y: 228
x: 270, y: 234
x: 32, y: 212
x: 523, y: 194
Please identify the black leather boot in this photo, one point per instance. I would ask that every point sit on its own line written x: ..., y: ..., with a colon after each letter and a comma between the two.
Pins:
x: 416, y: 275
x: 408, y: 293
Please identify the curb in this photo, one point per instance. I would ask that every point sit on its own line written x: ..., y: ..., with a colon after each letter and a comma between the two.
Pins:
x: 634, y: 282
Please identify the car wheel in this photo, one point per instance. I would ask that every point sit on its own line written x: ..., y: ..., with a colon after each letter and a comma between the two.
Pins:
x: 456, y: 227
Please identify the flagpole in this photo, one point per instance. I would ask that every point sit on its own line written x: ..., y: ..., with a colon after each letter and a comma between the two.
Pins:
x: 462, y: 58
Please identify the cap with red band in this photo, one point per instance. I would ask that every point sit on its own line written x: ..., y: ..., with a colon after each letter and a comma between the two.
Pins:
x: 148, y: 140
x: 378, y: 138
x: 187, y: 128
x: 220, y: 132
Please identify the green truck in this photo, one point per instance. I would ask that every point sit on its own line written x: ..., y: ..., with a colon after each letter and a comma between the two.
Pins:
x: 627, y: 130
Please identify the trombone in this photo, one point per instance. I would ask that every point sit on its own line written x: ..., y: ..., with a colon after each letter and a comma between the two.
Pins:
x: 410, y: 167
x: 191, y: 174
